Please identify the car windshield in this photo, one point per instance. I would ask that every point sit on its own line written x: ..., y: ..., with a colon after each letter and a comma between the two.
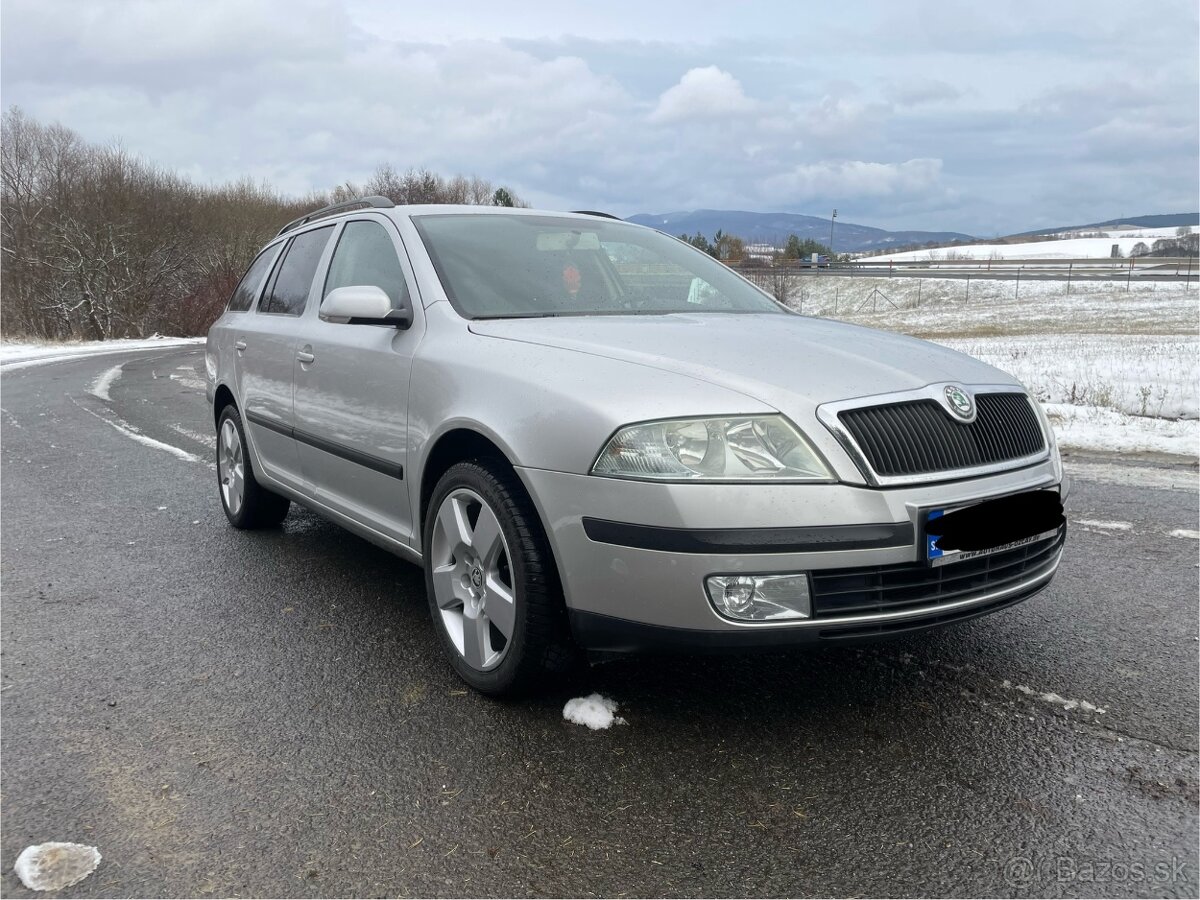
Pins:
x: 516, y: 266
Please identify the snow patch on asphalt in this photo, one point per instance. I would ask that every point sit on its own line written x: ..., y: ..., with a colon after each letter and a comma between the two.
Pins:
x: 1172, y: 478
x: 134, y: 435
x: 208, y: 440
x: 188, y: 381
x: 1050, y: 697
x: 55, y: 865
x: 104, y: 382
x: 1184, y: 533
x: 1102, y: 526
x: 594, y: 711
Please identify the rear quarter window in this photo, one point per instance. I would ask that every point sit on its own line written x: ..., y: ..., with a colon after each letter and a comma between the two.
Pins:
x: 250, y: 286
x: 293, y: 281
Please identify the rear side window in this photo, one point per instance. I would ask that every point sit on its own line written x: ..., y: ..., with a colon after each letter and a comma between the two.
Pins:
x: 365, y: 254
x: 247, y: 290
x: 294, y: 278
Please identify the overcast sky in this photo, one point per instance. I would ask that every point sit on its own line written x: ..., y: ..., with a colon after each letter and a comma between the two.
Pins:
x: 985, y: 118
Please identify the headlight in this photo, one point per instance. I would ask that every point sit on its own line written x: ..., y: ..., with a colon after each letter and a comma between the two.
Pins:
x: 733, y: 448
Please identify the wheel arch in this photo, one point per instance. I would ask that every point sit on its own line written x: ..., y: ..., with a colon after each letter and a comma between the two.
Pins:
x: 222, y: 398
x: 460, y: 442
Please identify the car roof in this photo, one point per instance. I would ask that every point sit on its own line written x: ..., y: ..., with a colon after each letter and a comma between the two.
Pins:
x: 454, y: 209
x: 440, y: 209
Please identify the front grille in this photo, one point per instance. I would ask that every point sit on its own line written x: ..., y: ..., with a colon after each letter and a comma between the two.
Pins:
x: 866, y: 591
x: 917, y: 437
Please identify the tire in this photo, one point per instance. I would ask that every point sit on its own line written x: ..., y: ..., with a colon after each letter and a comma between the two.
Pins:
x: 247, y: 503
x: 482, y: 541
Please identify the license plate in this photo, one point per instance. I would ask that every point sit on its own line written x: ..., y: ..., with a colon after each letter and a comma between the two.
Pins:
x: 958, y: 533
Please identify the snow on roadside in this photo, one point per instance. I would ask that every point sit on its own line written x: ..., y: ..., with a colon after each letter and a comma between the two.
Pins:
x: 14, y: 355
x: 1137, y: 374
x: 1093, y: 428
x: 594, y: 711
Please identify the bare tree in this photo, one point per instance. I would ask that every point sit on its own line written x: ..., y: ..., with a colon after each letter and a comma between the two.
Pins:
x: 96, y: 243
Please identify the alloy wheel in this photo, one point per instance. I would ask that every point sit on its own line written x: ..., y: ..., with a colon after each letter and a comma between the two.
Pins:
x: 472, y: 579
x: 231, y: 467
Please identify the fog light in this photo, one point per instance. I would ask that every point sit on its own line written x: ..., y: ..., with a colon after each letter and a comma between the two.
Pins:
x: 760, y: 598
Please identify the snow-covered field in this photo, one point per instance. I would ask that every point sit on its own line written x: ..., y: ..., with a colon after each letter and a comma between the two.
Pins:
x: 952, y: 307
x: 1118, y: 370
x: 1071, y: 248
x: 20, y: 355
x: 1061, y: 248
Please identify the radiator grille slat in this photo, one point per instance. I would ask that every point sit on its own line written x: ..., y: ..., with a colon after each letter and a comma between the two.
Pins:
x: 880, y: 589
x: 918, y: 437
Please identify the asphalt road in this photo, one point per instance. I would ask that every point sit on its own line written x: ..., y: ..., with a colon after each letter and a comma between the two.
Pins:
x: 225, y: 713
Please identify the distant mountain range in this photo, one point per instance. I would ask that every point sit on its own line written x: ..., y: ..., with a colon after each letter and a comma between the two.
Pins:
x: 1173, y: 220
x: 773, y: 228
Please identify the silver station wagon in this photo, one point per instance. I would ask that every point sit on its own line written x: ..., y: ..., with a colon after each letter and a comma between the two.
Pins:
x: 594, y: 437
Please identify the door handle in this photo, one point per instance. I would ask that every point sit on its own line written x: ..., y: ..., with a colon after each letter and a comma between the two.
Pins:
x: 305, y: 356
x: 240, y: 346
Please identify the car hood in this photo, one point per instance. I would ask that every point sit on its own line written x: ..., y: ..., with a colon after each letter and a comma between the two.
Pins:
x: 786, y: 361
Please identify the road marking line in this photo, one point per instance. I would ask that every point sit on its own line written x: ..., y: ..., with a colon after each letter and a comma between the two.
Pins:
x: 1050, y: 697
x: 104, y: 382
x: 133, y: 434
x: 1185, y: 533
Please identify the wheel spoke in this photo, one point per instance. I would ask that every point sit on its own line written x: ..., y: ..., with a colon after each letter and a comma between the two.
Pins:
x: 476, y: 642
x: 446, y: 587
x: 236, y: 482
x: 453, y: 519
x: 499, y: 606
x: 486, y: 540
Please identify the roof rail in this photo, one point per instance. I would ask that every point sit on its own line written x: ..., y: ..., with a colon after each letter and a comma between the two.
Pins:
x: 374, y: 201
x: 592, y: 212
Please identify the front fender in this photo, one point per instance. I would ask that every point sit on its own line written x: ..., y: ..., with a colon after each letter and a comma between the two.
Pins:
x: 546, y: 407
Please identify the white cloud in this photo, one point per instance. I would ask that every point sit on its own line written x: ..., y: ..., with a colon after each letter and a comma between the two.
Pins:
x: 1053, y: 109
x: 922, y: 90
x: 705, y: 93
x: 856, y: 179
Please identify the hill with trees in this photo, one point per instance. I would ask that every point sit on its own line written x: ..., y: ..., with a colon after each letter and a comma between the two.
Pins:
x: 773, y: 228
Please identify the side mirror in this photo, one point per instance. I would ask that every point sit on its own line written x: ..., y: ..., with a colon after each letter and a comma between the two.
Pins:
x: 365, y: 304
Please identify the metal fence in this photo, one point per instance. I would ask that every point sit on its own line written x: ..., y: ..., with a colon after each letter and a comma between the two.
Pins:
x: 1182, y: 268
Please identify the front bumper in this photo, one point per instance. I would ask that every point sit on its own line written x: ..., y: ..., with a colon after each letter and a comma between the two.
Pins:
x: 634, y: 556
